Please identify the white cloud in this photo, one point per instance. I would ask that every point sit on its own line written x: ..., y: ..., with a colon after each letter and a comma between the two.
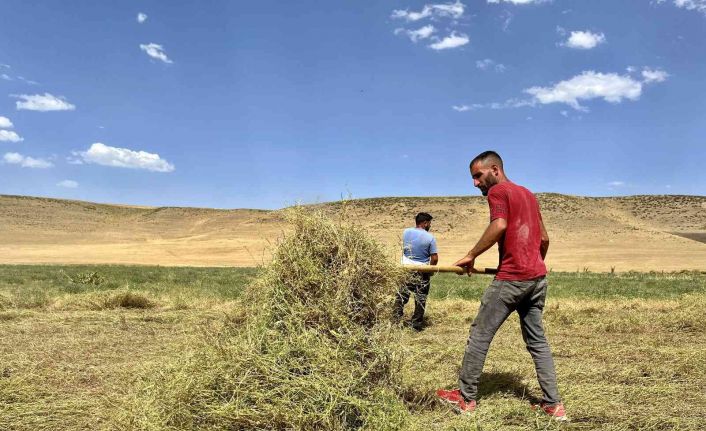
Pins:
x: 435, y: 12
x: 27, y: 81
x: 508, y: 104
x: 69, y: 184
x: 484, y: 64
x: 43, y: 103
x: 13, y: 158
x: 613, y: 185
x: 75, y: 159
x: 446, y: 10
x: 26, y: 162
x: 141, y: 17
x: 418, y: 34
x: 518, y: 1
x: 507, y: 19
x: 105, y: 155
x: 411, y: 16
x: 9, y: 136
x: 3, y: 75
x: 450, y: 10
x: 589, y: 85
x: 461, y: 108
x: 651, y: 75
x: 7, y: 77
x: 697, y: 5
x: 611, y: 87
x: 454, y: 40
x: 584, y: 40
x: 488, y: 64
x: 155, y: 51
x: 5, y: 123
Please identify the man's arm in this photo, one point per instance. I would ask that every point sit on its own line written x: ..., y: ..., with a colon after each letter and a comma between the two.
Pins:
x: 544, y: 245
x: 433, y: 256
x: 492, y: 234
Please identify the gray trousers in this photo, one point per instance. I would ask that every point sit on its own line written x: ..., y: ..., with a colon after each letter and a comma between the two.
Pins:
x: 498, y: 302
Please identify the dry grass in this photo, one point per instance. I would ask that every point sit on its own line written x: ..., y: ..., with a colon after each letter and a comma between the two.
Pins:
x: 622, y: 364
x: 315, y: 348
x: 71, y: 370
x: 309, y: 347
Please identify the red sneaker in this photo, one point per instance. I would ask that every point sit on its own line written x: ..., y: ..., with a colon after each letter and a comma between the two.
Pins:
x: 556, y: 411
x: 455, y: 398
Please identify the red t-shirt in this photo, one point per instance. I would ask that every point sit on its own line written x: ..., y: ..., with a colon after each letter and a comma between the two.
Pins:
x: 520, y: 257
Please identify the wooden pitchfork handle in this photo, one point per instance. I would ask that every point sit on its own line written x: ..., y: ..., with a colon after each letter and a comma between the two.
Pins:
x: 429, y: 269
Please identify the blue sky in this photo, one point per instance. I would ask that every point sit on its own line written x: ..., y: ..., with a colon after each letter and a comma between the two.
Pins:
x: 233, y: 104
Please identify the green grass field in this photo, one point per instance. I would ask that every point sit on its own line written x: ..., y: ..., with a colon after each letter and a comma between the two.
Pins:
x: 77, y: 341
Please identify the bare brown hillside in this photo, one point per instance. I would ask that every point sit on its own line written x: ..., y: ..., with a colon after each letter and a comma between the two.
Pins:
x: 625, y: 233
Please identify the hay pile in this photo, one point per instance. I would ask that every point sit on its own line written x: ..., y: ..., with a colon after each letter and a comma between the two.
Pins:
x: 313, y: 350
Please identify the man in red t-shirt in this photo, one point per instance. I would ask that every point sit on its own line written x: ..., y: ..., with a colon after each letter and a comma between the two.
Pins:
x: 520, y: 284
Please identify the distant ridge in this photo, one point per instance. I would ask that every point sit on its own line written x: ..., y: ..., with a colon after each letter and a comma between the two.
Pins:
x: 645, y: 232
x: 380, y: 198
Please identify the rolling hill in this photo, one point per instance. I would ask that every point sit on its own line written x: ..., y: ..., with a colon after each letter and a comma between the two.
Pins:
x: 660, y: 233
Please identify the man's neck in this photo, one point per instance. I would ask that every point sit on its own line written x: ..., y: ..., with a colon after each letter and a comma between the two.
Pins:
x: 501, y: 180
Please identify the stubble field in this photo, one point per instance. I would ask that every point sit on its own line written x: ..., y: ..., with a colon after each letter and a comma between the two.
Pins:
x: 79, y: 343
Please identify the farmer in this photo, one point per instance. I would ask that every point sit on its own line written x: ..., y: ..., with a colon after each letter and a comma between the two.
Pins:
x: 520, y: 284
x: 418, y: 248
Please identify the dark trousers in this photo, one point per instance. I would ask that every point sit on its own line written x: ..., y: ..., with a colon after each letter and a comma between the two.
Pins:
x: 419, y: 286
x: 498, y: 302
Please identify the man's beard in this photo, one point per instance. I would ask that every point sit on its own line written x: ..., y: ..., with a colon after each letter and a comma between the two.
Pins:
x: 491, y: 182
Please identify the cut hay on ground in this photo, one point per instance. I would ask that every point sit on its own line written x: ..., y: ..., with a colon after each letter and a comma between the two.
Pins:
x: 314, y: 350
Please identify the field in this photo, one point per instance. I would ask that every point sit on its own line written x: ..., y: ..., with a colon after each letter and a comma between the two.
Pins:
x: 633, y: 233
x: 78, y: 341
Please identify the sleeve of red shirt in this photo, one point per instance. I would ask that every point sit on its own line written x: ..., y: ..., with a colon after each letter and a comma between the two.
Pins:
x: 498, y: 203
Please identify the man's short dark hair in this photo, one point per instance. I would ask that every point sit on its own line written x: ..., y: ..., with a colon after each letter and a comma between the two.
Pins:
x: 422, y: 217
x: 487, y: 156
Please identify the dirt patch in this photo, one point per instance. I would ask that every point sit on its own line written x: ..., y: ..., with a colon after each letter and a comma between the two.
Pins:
x: 696, y: 236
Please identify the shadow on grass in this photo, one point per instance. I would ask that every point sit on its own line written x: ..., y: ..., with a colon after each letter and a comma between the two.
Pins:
x: 426, y: 324
x: 490, y: 383
x: 509, y: 383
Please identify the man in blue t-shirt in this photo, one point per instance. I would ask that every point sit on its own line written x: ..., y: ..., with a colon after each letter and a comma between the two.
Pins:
x: 418, y: 248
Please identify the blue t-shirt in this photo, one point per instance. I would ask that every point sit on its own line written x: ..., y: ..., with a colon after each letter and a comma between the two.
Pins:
x: 418, y: 245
